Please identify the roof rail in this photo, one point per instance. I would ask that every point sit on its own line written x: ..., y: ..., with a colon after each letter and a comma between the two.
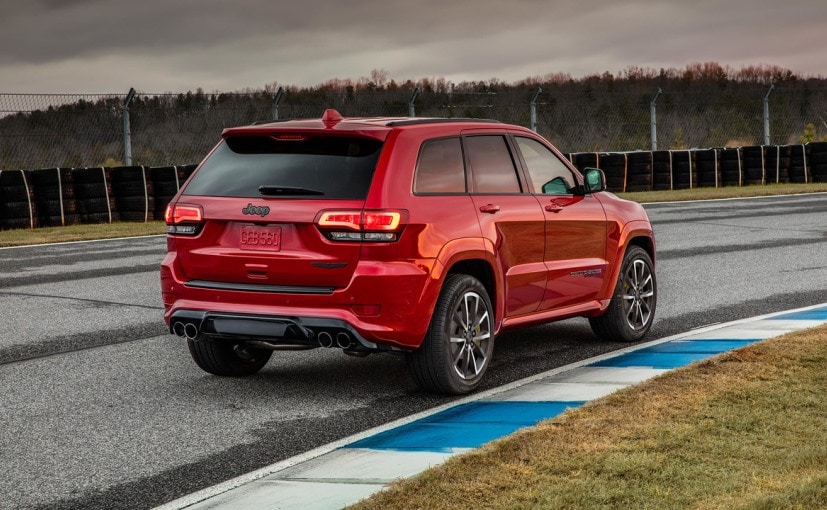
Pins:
x: 437, y: 120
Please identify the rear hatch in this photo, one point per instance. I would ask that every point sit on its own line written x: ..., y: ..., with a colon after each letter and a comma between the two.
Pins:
x: 261, y: 197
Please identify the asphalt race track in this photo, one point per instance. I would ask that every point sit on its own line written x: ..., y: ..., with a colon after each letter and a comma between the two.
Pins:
x: 102, y: 409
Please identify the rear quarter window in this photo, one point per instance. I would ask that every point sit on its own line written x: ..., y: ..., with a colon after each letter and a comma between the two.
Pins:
x: 331, y: 167
x: 440, y: 168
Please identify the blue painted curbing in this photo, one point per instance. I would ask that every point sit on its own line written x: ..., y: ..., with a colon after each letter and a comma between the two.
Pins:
x: 466, y: 426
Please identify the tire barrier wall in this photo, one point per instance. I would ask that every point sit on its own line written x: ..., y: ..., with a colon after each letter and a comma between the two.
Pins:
x: 54, y: 197
x: 66, y: 196
x: 708, y: 168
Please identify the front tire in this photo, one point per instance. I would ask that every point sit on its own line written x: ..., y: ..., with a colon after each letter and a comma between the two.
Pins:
x: 632, y: 310
x: 228, y: 359
x: 458, y: 346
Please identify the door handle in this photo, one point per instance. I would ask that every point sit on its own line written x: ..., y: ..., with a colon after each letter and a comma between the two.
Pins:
x: 554, y: 207
x: 489, y: 208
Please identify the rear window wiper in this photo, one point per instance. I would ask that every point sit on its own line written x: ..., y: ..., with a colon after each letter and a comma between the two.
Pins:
x: 272, y: 189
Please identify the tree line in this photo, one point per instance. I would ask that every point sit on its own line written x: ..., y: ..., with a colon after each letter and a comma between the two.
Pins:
x: 702, y: 105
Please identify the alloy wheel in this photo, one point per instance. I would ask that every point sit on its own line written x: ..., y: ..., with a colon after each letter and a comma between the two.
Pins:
x: 470, y: 334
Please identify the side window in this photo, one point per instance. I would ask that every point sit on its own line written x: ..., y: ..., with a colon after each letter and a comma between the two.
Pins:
x: 548, y: 175
x: 440, y: 168
x: 491, y: 165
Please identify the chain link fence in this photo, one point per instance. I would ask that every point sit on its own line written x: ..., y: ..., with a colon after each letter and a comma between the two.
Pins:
x: 81, y: 130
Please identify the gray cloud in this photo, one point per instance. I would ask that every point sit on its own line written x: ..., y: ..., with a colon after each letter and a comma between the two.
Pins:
x: 159, y: 45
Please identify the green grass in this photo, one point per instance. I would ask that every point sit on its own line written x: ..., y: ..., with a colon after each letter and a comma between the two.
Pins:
x: 104, y: 231
x: 729, y: 192
x: 744, y: 430
x: 21, y: 237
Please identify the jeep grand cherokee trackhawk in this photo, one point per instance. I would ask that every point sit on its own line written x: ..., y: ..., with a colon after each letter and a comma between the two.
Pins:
x: 426, y: 237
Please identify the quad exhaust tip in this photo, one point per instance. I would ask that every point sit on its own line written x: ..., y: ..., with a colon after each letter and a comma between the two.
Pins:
x: 186, y: 330
x: 342, y: 339
x: 190, y: 331
x: 325, y: 339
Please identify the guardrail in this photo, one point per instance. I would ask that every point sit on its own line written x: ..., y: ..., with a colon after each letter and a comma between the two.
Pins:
x: 66, y: 196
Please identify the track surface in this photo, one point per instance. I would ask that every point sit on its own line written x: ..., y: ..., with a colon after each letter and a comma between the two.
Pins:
x: 102, y: 409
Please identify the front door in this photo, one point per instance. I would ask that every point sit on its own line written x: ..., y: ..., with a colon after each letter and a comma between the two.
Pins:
x: 575, y: 228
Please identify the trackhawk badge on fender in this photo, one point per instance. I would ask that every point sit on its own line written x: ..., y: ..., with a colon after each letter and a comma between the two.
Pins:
x: 588, y: 273
x: 256, y: 210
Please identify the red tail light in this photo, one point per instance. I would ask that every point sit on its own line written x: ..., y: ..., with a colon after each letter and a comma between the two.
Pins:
x: 184, y: 219
x: 375, y: 226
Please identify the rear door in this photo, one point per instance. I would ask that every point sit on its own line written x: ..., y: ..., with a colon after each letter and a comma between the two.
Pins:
x: 510, y: 219
x: 575, y: 228
x: 261, y: 198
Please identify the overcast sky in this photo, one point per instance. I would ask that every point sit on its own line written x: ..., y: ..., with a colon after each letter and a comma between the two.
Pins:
x: 96, y: 46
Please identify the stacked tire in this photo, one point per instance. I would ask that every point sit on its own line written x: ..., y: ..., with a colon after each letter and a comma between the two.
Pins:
x: 93, y: 192
x: 583, y: 160
x: 731, y: 167
x: 662, y: 170
x: 614, y: 165
x: 755, y: 171
x: 54, y: 195
x: 799, y: 171
x: 707, y: 167
x: 166, y: 181
x: 684, y: 173
x: 134, y: 195
x: 639, y: 171
x: 818, y: 159
x: 777, y: 161
x: 17, y: 210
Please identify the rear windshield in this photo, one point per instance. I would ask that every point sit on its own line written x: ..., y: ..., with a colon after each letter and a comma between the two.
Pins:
x: 318, y: 167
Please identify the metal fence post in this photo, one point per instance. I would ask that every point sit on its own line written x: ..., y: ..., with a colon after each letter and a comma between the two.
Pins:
x: 411, y: 105
x: 127, y: 131
x: 276, y: 101
x: 532, y: 119
x: 653, y: 116
x: 767, y: 115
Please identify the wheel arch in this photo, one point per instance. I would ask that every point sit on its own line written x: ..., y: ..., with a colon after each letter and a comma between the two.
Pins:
x: 475, y: 257
x: 635, y: 233
x: 644, y: 242
x: 482, y: 271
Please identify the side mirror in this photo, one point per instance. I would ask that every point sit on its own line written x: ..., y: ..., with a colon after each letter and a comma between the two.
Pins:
x: 595, y: 180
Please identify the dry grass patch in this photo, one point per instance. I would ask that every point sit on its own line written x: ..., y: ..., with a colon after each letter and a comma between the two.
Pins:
x: 746, y: 430
x: 22, y: 237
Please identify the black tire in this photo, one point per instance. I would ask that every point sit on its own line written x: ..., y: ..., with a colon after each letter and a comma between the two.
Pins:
x: 164, y: 188
x: 135, y: 204
x: 14, y: 193
x: 632, y: 310
x: 14, y: 223
x: 135, y: 216
x: 14, y: 210
x: 454, y: 368
x: 131, y: 188
x: 228, y: 359
x: 90, y: 190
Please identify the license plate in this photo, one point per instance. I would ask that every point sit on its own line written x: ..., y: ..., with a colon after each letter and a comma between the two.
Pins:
x: 261, y: 238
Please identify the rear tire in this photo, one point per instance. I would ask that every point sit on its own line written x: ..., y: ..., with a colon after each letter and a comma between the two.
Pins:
x: 459, y: 343
x: 632, y: 310
x: 228, y: 359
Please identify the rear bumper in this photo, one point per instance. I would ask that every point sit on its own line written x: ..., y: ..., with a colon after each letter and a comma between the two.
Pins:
x: 386, y: 305
x: 276, y: 331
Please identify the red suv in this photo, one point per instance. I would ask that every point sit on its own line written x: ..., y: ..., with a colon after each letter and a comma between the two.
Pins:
x: 425, y: 237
